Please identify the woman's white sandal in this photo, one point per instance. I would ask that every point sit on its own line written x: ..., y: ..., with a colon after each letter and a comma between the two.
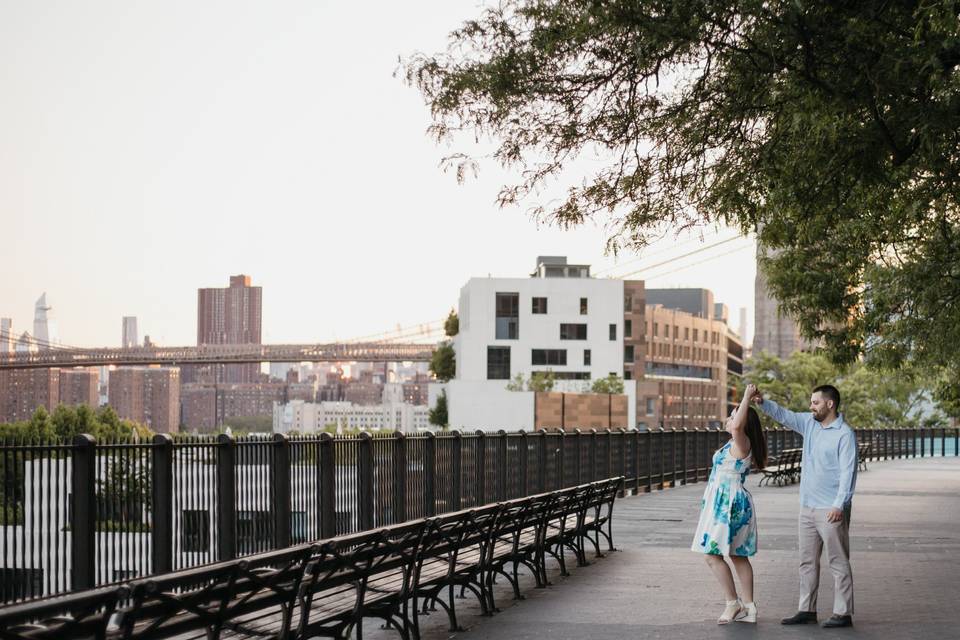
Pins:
x: 748, y: 613
x: 730, y: 612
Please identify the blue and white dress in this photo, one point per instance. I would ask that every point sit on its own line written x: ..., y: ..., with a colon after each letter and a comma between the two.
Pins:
x: 727, y: 524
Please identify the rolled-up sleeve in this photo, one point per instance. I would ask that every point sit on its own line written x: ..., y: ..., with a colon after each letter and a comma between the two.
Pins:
x: 847, y: 450
x: 791, y: 420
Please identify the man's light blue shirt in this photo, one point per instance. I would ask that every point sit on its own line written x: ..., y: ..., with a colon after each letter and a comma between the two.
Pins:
x: 829, y: 474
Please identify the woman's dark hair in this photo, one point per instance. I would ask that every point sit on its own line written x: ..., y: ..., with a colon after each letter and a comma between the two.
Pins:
x: 758, y: 441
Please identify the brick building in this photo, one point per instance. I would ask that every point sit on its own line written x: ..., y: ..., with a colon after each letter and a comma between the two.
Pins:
x: 79, y: 386
x: 22, y: 391
x: 148, y: 395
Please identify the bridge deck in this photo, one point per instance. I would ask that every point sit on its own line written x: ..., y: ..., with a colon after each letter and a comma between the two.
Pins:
x: 905, y: 541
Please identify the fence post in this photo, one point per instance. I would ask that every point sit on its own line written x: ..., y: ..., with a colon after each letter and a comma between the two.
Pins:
x: 82, y: 529
x: 579, y: 458
x: 430, y: 475
x: 501, y: 465
x: 542, y: 461
x: 327, y: 487
x: 663, y: 465
x: 399, y: 476
x: 456, y: 468
x: 282, y: 511
x: 522, y: 452
x: 592, y: 456
x: 161, y: 497
x: 226, y: 497
x: 923, y: 444
x: 636, y: 461
x: 696, y: 455
x: 365, y: 480
x: 622, y: 462
x: 481, y: 467
x: 683, y: 455
x: 561, y: 453
x: 943, y: 442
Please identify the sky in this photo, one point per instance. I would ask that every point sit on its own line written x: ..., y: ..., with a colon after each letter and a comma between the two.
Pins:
x: 149, y: 148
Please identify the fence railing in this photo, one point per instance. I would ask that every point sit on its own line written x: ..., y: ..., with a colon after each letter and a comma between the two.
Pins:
x: 80, y: 514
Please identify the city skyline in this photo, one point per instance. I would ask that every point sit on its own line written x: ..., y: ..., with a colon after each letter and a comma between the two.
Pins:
x: 291, y: 125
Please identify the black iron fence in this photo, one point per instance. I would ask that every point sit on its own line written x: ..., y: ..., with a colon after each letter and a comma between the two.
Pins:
x: 82, y: 514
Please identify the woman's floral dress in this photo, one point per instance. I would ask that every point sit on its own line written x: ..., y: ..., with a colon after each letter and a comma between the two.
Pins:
x: 727, y: 523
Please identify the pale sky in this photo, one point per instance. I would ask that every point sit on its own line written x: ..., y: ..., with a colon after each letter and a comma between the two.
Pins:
x: 148, y: 148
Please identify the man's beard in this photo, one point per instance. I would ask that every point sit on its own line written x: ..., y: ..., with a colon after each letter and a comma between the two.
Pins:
x: 818, y: 416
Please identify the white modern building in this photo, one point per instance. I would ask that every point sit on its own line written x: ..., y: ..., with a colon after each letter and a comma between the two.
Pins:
x: 560, y: 320
x: 311, y: 417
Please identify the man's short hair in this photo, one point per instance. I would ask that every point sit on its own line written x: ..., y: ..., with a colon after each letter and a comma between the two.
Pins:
x: 831, y: 392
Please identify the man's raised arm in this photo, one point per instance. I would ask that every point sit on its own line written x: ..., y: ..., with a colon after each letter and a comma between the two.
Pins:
x: 791, y: 420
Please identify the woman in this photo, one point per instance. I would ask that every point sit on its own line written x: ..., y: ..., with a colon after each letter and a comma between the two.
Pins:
x: 728, y: 525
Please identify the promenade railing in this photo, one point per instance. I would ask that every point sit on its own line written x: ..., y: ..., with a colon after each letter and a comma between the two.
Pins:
x: 80, y: 514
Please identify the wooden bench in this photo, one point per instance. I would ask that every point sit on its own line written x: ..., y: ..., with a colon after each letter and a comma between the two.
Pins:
x: 783, y: 468
x: 863, y: 452
x: 329, y: 587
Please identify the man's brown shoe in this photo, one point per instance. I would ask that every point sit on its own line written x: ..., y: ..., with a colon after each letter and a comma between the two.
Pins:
x: 801, y: 617
x: 837, y: 621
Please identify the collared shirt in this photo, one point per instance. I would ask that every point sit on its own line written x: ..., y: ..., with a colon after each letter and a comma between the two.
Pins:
x: 829, y: 463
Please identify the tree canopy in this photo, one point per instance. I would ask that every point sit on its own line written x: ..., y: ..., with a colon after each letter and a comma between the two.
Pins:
x: 830, y: 130
x: 868, y: 398
x: 68, y: 421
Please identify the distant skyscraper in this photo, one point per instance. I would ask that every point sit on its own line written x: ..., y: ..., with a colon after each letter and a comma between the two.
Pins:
x: 6, y: 335
x: 773, y: 331
x: 742, y: 329
x: 130, y: 339
x: 44, y: 326
x: 231, y: 316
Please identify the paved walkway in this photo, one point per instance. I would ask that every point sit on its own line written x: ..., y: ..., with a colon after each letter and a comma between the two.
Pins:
x: 905, y: 540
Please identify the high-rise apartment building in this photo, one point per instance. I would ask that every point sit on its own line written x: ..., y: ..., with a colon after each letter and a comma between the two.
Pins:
x: 150, y: 396
x: 6, y: 336
x: 23, y: 391
x: 130, y: 336
x: 773, y: 331
x: 44, y: 326
x: 79, y: 386
x: 231, y: 316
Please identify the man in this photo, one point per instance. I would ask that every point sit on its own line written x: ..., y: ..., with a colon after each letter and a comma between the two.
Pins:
x: 826, y: 489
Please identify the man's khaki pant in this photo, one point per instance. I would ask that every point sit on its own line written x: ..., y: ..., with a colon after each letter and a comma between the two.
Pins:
x: 815, y: 534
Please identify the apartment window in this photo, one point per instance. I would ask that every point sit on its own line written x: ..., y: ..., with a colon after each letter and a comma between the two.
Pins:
x: 627, y: 374
x: 627, y: 302
x: 676, y: 332
x: 651, y: 406
x: 195, y: 530
x: 586, y: 357
x: 613, y: 332
x: 627, y: 328
x: 583, y: 306
x: 498, y: 363
x: 656, y: 329
x: 696, y: 335
x: 539, y: 305
x: 628, y: 353
x: 573, y: 331
x: 508, y: 316
x: 686, y: 333
x: 549, y: 357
